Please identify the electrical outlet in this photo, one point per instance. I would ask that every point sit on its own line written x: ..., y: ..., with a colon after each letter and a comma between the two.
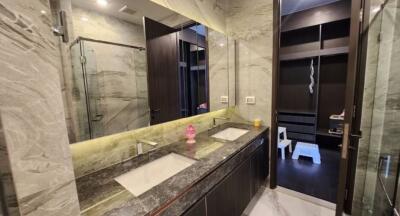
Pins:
x: 224, y: 99
x: 250, y: 100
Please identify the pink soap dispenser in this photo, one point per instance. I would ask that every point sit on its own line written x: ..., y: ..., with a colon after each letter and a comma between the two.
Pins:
x: 190, y: 134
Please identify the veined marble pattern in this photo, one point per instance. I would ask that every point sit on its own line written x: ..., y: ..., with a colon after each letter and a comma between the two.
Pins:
x: 218, y: 68
x: 207, y: 12
x: 380, y: 123
x: 107, y: 28
x: 117, y: 76
x: 368, y: 105
x: 175, y: 20
x: 117, y: 88
x: 278, y: 203
x: 32, y: 110
x: 92, y: 155
x: 66, y: 74
x: 250, y: 24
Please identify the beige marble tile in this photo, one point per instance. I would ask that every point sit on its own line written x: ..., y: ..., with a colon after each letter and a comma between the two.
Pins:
x: 283, y: 203
x: 380, y: 106
x: 218, y: 68
x: 207, y: 12
x: 250, y: 24
x: 103, y: 27
x: 32, y: 109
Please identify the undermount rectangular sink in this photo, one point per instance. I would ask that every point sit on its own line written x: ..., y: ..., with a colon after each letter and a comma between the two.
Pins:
x: 145, y: 177
x: 230, y: 134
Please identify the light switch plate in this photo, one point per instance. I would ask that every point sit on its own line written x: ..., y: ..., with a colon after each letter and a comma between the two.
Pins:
x: 224, y: 99
x: 250, y: 100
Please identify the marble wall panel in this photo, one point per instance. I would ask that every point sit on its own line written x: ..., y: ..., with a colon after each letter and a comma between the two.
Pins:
x: 250, y: 24
x: 207, y: 12
x: 103, y: 27
x: 380, y: 107
x: 96, y: 154
x: 117, y: 76
x: 33, y: 112
x: 218, y: 64
x: 115, y: 83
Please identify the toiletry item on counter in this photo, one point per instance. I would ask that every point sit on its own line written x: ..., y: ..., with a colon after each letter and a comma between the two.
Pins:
x: 190, y: 134
x: 257, y: 122
x: 336, y: 124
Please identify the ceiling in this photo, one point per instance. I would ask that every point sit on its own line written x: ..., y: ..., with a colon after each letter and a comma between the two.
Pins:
x: 140, y: 7
x: 292, y: 6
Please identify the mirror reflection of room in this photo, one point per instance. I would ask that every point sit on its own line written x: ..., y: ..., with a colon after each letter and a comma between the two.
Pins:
x: 137, y: 64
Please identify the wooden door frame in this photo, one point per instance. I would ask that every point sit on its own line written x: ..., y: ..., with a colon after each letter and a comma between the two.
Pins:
x: 275, y: 82
x: 355, y: 72
x: 358, y: 41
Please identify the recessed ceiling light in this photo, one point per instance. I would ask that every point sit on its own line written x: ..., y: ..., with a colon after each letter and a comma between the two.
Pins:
x: 43, y: 12
x: 221, y: 44
x: 85, y: 19
x: 102, y: 3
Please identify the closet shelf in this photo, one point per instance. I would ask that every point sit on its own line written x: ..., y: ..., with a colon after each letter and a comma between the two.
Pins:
x: 314, y: 53
x: 324, y: 132
x: 299, y: 112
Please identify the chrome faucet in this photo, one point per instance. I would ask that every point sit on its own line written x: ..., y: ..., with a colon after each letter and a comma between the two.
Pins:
x: 214, y: 125
x: 139, y: 145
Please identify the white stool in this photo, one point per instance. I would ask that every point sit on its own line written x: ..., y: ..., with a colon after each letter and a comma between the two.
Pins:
x: 282, y: 143
x: 308, y: 150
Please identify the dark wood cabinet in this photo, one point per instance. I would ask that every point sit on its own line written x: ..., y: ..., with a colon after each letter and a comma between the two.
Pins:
x: 259, y: 169
x: 234, y: 192
x: 312, y: 75
x: 198, y: 209
x: 232, y: 195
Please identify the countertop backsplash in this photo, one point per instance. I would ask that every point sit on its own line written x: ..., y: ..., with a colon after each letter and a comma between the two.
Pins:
x: 93, y: 155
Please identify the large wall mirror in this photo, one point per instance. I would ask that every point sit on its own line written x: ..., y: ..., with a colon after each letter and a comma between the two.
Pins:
x: 136, y: 63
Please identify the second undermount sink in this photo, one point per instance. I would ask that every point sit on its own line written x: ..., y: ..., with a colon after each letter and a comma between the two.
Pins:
x: 145, y: 177
x: 230, y: 134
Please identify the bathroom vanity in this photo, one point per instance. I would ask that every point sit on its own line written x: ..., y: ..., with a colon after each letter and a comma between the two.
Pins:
x: 214, y: 176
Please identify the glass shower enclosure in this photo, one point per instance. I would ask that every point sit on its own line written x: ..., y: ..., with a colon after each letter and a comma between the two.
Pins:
x: 109, y: 88
x: 379, y: 148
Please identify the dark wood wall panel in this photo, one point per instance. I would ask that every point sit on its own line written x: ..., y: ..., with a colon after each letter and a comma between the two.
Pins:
x: 302, y: 137
x: 294, y: 92
x: 163, y: 78
x: 300, y: 36
x: 324, y: 14
x: 332, y: 88
x: 298, y: 128
x: 297, y: 118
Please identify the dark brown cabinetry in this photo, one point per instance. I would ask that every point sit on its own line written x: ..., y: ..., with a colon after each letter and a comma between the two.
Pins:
x: 312, y: 75
x: 198, y: 209
x: 232, y: 195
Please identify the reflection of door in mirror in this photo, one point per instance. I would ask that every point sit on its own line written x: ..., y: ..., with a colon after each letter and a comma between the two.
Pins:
x: 177, y: 71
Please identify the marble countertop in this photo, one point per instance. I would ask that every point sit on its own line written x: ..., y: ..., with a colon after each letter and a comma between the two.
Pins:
x: 100, y: 194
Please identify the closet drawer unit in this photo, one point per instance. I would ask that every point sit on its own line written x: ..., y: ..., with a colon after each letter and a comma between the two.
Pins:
x: 301, y: 137
x: 298, y: 128
x: 302, y: 119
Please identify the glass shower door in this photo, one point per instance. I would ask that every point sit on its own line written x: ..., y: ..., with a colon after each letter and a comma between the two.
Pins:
x: 111, y: 88
x: 381, y: 111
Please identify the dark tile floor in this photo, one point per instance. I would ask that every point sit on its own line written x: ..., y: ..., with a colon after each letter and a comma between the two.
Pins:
x: 317, y: 180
